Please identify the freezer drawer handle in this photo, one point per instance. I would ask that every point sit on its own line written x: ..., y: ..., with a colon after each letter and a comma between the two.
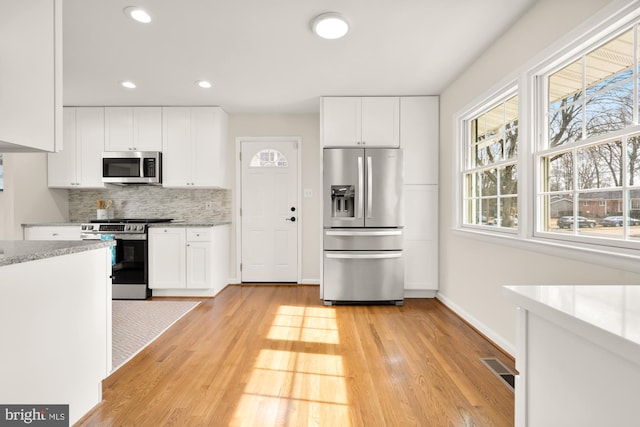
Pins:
x: 369, y: 187
x: 365, y: 256
x: 360, y: 188
x: 365, y: 233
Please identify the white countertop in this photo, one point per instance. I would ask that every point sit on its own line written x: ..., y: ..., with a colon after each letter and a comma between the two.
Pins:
x: 606, y: 315
x: 18, y: 251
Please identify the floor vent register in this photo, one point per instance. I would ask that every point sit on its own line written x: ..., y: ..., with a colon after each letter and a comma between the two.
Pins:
x: 500, y: 371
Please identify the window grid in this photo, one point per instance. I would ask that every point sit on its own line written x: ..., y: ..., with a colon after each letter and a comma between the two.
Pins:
x: 490, y: 176
x: 593, y: 175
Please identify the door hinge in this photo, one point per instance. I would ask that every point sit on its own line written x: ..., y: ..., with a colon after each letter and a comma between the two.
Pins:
x: 240, y: 211
x: 240, y: 266
x: 240, y: 155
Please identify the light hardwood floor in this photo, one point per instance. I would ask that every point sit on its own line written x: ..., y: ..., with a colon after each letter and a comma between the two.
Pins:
x: 267, y: 355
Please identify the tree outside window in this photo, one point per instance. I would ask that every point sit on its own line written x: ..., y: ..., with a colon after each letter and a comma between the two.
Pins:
x: 584, y: 173
x: 491, y: 173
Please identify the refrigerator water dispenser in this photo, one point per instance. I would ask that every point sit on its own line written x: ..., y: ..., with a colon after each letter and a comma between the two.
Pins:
x: 342, y: 201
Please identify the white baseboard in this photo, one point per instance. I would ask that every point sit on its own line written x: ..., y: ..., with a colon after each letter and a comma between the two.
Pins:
x: 235, y: 281
x: 420, y: 293
x: 196, y: 293
x: 486, y: 331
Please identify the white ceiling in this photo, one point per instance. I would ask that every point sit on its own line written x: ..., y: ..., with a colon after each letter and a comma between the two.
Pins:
x: 261, y: 54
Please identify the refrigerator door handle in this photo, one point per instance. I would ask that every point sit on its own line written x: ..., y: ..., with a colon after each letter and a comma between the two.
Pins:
x: 365, y: 233
x: 369, y: 187
x: 360, y: 188
x: 390, y: 255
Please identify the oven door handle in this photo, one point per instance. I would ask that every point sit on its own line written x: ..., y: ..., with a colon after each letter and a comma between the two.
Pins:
x: 129, y: 236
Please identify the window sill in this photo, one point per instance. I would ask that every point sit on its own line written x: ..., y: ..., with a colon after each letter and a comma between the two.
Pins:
x: 618, y: 258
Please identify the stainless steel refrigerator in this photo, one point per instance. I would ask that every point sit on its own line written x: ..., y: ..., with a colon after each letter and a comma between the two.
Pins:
x: 363, y: 218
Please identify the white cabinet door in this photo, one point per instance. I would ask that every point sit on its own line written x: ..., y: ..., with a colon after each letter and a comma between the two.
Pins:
x: 381, y: 121
x: 209, y: 137
x: 356, y: 121
x: 176, y: 147
x: 194, y: 147
x: 90, y: 145
x: 62, y: 165
x: 419, y: 138
x: 52, y: 232
x: 167, y: 258
x: 147, y: 128
x: 198, y: 265
x: 133, y: 128
x: 79, y: 164
x: 219, y: 257
x: 31, y: 74
x: 421, y: 237
x: 118, y: 128
x: 199, y: 258
x: 341, y: 121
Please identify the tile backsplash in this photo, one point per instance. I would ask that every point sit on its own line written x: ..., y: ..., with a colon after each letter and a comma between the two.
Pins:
x: 144, y: 201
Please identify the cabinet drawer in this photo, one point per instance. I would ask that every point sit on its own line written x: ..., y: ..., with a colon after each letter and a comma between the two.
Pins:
x: 198, y: 234
x: 71, y: 232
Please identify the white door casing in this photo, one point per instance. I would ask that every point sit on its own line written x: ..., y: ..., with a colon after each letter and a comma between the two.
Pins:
x: 270, y: 209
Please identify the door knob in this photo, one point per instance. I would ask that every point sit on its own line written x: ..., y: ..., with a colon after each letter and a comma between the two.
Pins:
x: 292, y: 219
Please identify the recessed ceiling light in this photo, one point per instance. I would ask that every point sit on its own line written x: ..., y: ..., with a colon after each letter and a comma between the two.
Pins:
x: 330, y: 25
x: 205, y: 84
x: 128, y: 84
x: 138, y: 14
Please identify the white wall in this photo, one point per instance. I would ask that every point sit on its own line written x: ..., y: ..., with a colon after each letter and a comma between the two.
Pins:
x: 26, y: 197
x: 306, y: 126
x: 473, y: 271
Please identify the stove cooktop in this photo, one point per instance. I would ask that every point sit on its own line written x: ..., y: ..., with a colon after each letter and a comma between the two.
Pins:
x: 130, y: 220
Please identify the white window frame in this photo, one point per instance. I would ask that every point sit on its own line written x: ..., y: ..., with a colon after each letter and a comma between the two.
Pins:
x: 602, y: 26
x: 497, y: 98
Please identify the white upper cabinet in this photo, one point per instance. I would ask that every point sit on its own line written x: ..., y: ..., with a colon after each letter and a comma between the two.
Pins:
x: 133, y: 128
x: 194, y: 147
x: 31, y: 75
x: 79, y: 165
x: 419, y: 138
x: 361, y: 121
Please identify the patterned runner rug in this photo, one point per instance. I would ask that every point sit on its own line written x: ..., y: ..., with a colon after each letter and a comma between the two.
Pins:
x: 136, y: 324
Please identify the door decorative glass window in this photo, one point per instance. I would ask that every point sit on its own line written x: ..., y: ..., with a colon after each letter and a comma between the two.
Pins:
x: 268, y: 158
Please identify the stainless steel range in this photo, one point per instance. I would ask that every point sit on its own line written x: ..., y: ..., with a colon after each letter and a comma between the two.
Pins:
x: 130, y: 272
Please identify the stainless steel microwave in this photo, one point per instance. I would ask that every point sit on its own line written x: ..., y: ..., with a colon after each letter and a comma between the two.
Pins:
x: 132, y: 167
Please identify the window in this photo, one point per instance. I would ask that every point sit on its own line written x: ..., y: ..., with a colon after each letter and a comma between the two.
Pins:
x: 268, y: 158
x: 490, y: 174
x: 590, y: 156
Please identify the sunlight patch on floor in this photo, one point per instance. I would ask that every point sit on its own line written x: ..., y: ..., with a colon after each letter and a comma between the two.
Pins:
x: 306, y: 324
x: 289, y: 387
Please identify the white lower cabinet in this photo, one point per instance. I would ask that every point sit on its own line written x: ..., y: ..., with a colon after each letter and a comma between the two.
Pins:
x: 52, y: 232
x: 421, y: 240
x: 198, y: 254
x: 184, y: 258
x: 167, y: 258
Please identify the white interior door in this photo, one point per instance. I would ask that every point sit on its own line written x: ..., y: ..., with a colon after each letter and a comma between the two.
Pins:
x: 269, y: 211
